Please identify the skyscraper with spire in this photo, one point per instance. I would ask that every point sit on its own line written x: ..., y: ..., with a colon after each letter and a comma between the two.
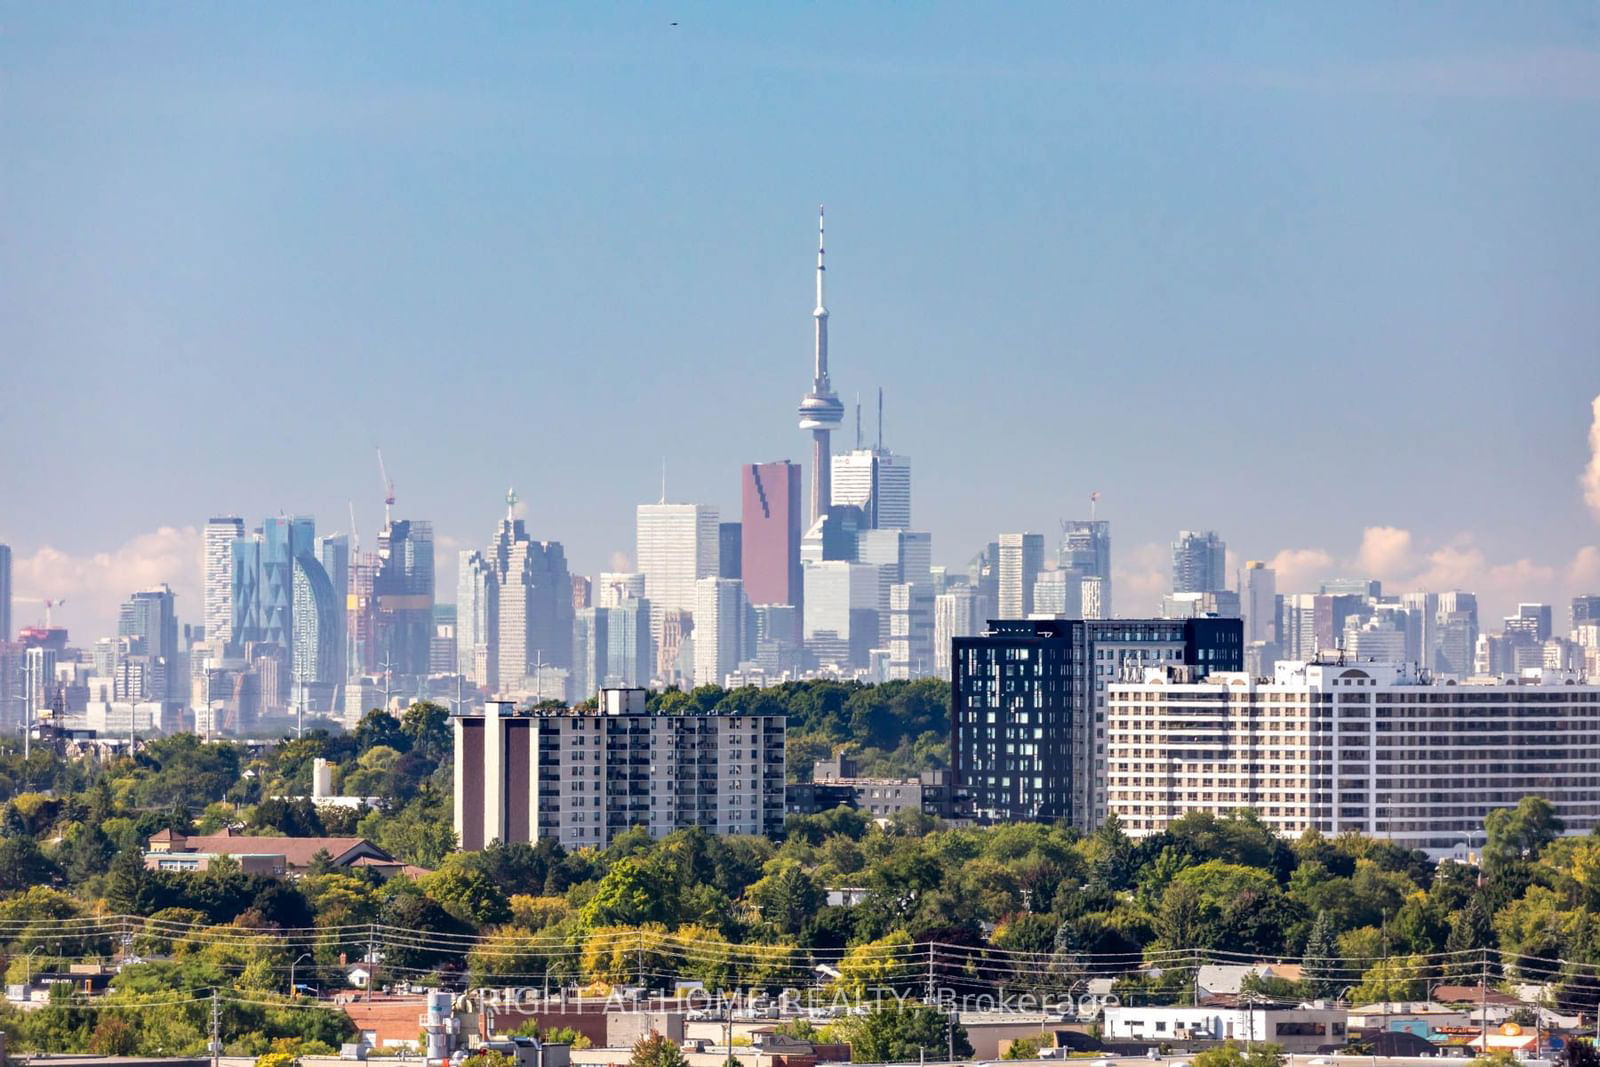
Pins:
x: 820, y: 409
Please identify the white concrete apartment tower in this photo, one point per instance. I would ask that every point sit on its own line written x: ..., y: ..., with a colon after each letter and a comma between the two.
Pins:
x: 1021, y: 560
x: 221, y: 532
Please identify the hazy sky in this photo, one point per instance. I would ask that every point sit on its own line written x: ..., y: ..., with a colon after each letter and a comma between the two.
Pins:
x: 1289, y: 271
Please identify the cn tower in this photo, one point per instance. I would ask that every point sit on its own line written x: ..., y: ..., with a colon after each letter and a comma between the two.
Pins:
x: 820, y: 409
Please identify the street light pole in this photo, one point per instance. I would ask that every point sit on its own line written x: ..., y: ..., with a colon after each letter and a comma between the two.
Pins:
x: 292, y: 966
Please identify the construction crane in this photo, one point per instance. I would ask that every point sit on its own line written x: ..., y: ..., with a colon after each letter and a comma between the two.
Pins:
x: 388, y: 490
x: 48, y: 606
x: 355, y: 535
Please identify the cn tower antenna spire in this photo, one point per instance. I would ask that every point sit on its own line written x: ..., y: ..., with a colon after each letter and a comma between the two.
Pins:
x: 820, y: 409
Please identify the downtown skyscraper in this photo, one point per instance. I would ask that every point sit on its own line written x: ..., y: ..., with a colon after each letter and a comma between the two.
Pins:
x: 770, y: 550
x: 533, y: 606
x: 1085, y: 555
x: 221, y: 532
x: 676, y: 545
x: 402, y: 597
x: 1199, y: 562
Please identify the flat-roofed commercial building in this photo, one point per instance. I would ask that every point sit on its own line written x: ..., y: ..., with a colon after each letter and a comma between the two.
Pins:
x: 583, y: 777
x: 1335, y: 746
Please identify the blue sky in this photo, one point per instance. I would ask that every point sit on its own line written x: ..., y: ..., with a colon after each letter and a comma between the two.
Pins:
x: 1296, y: 272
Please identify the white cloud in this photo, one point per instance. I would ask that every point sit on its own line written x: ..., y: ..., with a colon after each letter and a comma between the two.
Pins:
x: 1583, y: 573
x: 1139, y: 577
x: 1299, y: 569
x: 93, y: 586
x: 1385, y: 552
x: 621, y: 563
x: 1591, y: 473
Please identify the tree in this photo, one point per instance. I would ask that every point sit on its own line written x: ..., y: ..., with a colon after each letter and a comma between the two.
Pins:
x: 1521, y: 832
x: 882, y: 965
x: 1578, y: 1052
x: 1231, y: 1055
x: 634, y: 891
x: 1497, y: 1058
x: 903, y: 1031
x: 291, y: 818
x: 378, y: 727
x: 467, y: 894
x: 653, y: 1050
x: 1320, y: 965
x: 789, y: 898
x: 22, y: 864
x: 1026, y: 1048
x: 427, y: 726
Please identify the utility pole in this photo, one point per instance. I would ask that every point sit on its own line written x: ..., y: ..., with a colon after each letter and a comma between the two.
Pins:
x: 929, y: 998
x: 1483, y: 1004
x: 216, y: 1029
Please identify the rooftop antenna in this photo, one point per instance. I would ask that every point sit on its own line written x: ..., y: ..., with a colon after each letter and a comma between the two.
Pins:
x: 388, y: 491
x: 1094, y: 498
x: 663, y: 479
x: 880, y: 418
x: 858, y: 422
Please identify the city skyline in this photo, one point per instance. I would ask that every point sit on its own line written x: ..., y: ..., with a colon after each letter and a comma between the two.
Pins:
x: 981, y: 306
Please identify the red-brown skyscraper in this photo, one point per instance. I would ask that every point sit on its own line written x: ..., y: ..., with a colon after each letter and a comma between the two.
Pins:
x: 771, y: 542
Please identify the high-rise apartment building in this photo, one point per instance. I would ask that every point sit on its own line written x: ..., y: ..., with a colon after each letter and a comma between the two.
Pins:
x: 1540, y: 620
x: 676, y: 546
x: 220, y: 534
x: 582, y: 592
x: 1457, y: 627
x: 149, y: 620
x: 1335, y: 745
x: 589, y: 648
x: 1058, y: 594
x: 1584, y: 609
x: 403, y: 594
x: 317, y: 645
x: 1095, y: 596
x: 287, y: 614
x: 630, y: 655
x: 477, y: 620
x: 1028, y: 708
x: 1222, y: 603
x: 38, y: 684
x: 6, y: 633
x: 900, y: 556
x: 720, y: 611
x: 770, y: 517
x: 1258, y: 602
x: 1021, y: 558
x: 581, y: 778
x: 911, y: 631
x: 333, y: 552
x: 1199, y: 562
x: 959, y: 611
x: 1086, y: 553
